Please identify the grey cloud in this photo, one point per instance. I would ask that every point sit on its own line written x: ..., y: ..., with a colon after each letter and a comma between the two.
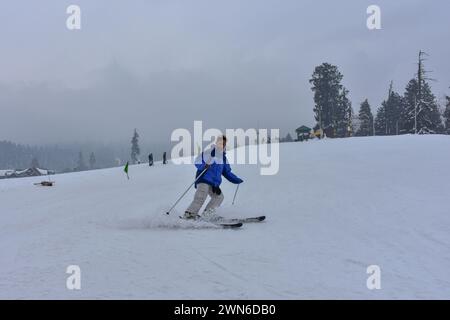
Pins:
x: 160, y: 65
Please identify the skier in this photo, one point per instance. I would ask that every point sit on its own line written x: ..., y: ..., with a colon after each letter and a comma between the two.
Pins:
x: 164, y: 158
x: 150, y: 159
x: 216, y: 164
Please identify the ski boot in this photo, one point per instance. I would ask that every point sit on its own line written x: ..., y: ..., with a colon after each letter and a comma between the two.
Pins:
x: 190, y: 216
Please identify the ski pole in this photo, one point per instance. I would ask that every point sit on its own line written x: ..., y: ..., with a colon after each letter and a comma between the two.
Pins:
x: 235, y: 193
x: 168, y: 212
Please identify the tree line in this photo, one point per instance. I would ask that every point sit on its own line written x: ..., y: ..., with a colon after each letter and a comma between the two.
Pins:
x: 416, y: 111
x: 61, y: 159
x: 73, y: 157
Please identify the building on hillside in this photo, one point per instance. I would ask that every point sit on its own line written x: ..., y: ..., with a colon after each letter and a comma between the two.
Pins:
x: 303, y: 133
x: 5, y: 173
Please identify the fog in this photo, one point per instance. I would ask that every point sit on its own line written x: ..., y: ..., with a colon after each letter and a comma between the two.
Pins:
x: 160, y: 65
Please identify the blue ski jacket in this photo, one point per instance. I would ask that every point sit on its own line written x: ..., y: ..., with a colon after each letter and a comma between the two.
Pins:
x: 217, y: 168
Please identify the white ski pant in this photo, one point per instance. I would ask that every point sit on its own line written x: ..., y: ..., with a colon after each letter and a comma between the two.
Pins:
x: 203, y: 190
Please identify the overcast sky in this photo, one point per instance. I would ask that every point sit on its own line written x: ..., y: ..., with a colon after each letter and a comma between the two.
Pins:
x: 159, y: 65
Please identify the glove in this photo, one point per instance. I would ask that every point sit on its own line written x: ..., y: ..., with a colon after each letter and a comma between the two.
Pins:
x: 207, y: 165
x: 217, y: 190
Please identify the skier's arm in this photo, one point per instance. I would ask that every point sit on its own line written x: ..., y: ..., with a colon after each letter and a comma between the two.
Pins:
x: 200, y: 162
x: 230, y: 176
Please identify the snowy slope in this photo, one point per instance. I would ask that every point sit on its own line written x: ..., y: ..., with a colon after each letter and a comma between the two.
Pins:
x: 336, y: 207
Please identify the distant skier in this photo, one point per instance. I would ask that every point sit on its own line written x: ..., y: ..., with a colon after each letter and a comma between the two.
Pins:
x: 150, y: 159
x: 164, y: 158
x: 215, y: 162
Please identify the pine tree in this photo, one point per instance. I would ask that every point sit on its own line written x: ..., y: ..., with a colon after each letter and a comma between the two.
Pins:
x: 288, y: 138
x: 350, y: 127
x: 366, y: 120
x: 343, y: 116
x: 409, y: 110
x: 393, y: 108
x: 135, y: 150
x: 92, y: 160
x: 420, y: 113
x: 80, y: 164
x: 381, y: 121
x: 388, y: 118
x: 447, y: 116
x: 327, y: 88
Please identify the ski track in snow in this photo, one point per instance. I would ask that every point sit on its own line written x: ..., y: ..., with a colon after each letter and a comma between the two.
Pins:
x: 335, y: 207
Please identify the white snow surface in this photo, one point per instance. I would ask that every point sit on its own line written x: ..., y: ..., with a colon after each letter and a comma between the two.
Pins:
x: 335, y: 207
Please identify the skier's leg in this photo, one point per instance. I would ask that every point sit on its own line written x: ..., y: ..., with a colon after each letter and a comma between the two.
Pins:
x: 215, y: 202
x: 199, y: 199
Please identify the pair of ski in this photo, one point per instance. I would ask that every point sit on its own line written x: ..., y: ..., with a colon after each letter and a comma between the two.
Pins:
x: 232, y: 223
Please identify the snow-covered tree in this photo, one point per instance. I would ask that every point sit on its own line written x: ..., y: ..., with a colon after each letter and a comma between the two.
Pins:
x: 135, y: 150
x: 447, y: 116
x: 343, y: 116
x: 381, y: 121
x: 393, y: 108
x: 365, y: 119
x: 388, y: 118
x: 288, y: 138
x: 81, y: 165
x: 92, y: 160
x: 420, y: 113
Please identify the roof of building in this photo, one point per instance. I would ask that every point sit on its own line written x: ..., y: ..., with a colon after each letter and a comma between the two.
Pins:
x: 303, y: 129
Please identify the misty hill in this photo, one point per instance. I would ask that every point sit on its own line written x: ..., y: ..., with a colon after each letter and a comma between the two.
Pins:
x: 65, y: 158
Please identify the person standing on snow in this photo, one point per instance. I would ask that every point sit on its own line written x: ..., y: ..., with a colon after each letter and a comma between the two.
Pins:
x: 150, y: 159
x: 216, y: 164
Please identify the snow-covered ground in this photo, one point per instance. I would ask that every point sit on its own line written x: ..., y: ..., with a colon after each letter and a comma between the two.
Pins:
x: 334, y: 208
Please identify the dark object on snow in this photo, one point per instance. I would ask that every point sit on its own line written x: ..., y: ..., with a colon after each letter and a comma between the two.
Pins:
x: 164, y: 158
x: 150, y: 159
x: 45, y: 183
